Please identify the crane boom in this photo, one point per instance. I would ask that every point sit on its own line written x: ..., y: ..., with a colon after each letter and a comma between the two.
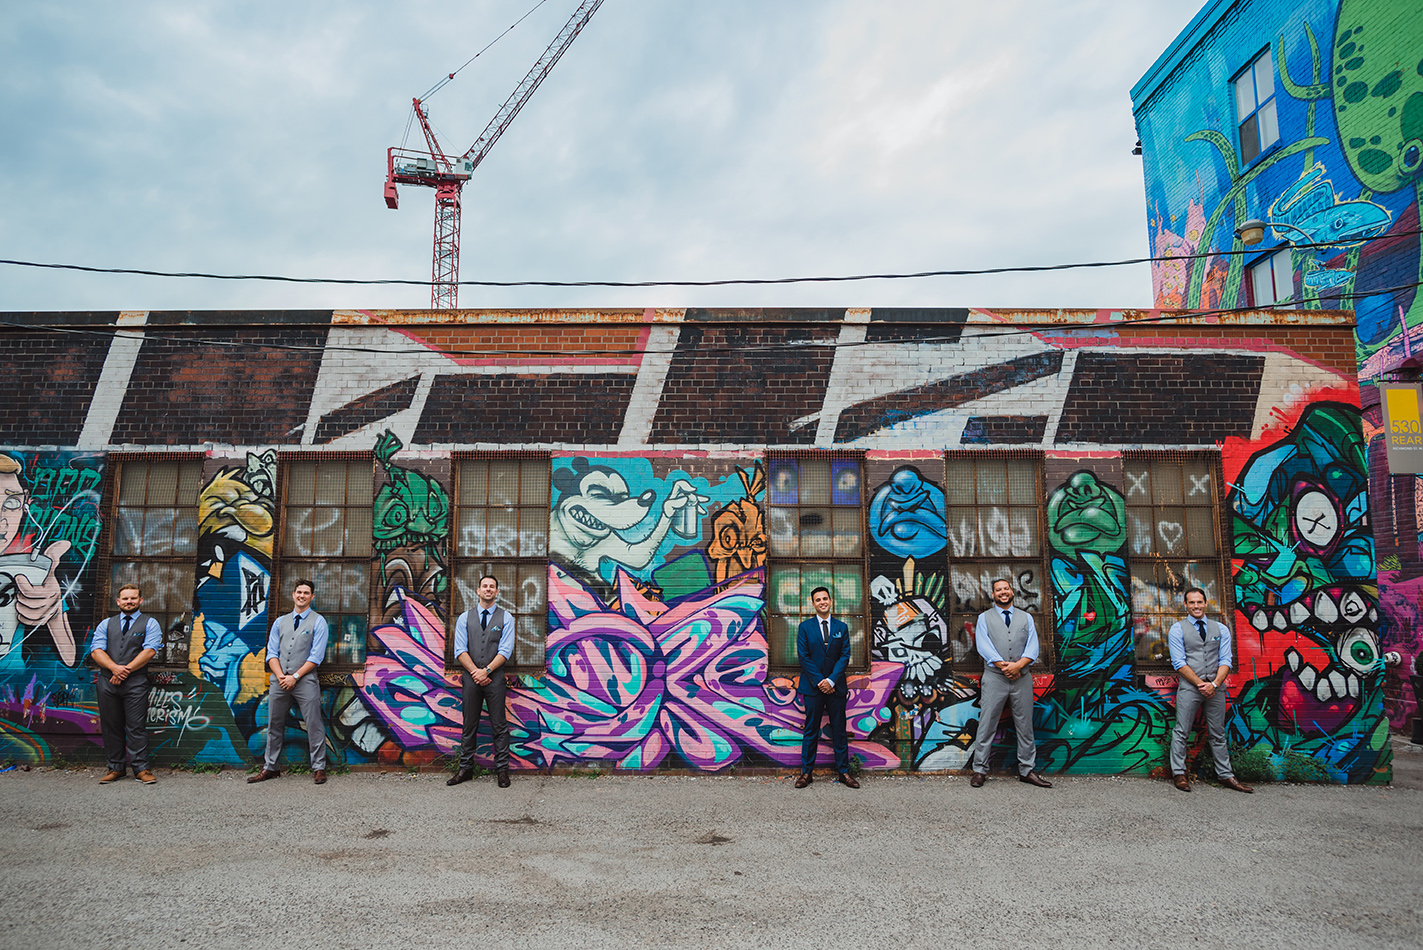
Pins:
x: 435, y: 169
x: 530, y: 83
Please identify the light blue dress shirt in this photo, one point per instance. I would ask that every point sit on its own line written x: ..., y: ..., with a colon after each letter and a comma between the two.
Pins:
x: 319, y: 635
x: 152, y: 635
x: 506, y: 636
x: 984, y: 643
x: 1176, y: 645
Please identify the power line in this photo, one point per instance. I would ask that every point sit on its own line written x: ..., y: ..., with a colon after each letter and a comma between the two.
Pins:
x: 740, y: 281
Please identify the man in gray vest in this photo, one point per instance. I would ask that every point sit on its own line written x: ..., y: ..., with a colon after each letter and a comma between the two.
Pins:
x: 1197, y: 643
x: 121, y: 649
x: 296, y: 646
x: 484, y: 642
x: 1007, y: 639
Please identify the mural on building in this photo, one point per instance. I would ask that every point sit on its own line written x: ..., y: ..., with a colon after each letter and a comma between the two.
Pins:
x: 49, y: 538
x: 1309, y: 652
x: 1095, y: 718
x: 1348, y: 109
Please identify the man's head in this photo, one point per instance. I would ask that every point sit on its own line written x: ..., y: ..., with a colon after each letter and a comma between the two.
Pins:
x: 302, y: 592
x: 821, y: 601
x: 1195, y: 602
x: 488, y: 590
x: 14, y: 501
x: 1003, y: 592
x: 129, y: 598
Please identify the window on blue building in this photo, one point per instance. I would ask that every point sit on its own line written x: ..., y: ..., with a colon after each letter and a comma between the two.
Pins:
x: 1255, y: 108
x: 1272, y: 279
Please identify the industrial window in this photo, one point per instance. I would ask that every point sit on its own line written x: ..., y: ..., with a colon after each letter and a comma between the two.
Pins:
x: 1174, y: 542
x: 815, y: 518
x: 1272, y: 279
x: 326, y: 536
x: 155, y: 541
x: 501, y: 528
x: 1255, y: 108
x: 993, y: 517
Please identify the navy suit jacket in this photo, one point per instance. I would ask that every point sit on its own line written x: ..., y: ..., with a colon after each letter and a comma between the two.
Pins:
x: 818, y: 661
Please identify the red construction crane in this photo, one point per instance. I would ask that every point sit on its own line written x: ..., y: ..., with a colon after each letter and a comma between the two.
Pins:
x: 434, y: 169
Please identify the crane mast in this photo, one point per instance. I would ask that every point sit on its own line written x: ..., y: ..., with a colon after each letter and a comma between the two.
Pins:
x: 433, y: 168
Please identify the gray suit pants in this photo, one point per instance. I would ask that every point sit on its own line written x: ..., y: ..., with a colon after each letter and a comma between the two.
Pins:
x: 307, y: 696
x: 1188, y: 700
x: 996, y: 691
x: 123, y: 721
x: 475, y: 697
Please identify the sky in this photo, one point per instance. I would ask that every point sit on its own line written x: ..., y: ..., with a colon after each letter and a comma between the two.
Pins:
x: 673, y: 141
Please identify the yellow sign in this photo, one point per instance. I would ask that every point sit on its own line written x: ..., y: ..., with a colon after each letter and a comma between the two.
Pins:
x: 1403, y: 428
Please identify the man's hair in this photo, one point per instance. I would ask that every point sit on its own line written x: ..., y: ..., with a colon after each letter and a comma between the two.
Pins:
x: 1194, y: 590
x: 133, y: 587
x: 1000, y: 580
x: 9, y: 465
x: 819, y: 589
x: 489, y: 577
x: 304, y: 580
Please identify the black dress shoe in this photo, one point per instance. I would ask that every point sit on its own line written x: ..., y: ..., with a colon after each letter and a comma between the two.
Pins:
x: 1033, y: 778
x: 804, y: 780
x: 262, y: 776
x: 463, y: 775
x: 978, y: 779
x: 503, y: 778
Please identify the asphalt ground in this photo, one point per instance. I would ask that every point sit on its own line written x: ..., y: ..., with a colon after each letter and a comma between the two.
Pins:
x: 376, y: 860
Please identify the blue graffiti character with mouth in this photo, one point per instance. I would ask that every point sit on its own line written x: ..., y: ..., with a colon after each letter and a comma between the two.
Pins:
x: 907, y: 515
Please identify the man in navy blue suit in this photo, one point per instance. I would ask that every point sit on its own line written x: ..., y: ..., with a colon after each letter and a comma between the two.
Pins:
x: 823, y: 644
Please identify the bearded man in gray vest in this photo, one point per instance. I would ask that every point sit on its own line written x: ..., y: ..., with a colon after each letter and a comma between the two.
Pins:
x: 121, y: 649
x: 296, y: 646
x: 484, y: 642
x: 1007, y: 639
x: 1198, y: 644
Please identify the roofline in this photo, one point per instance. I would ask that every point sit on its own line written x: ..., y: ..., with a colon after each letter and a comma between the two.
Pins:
x: 1181, y: 47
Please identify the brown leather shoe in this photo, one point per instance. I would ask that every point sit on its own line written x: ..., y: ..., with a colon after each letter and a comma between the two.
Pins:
x: 110, y: 777
x: 978, y: 779
x: 1033, y: 778
x: 803, y: 780
x: 147, y: 777
x: 847, y: 780
x: 262, y: 776
x: 504, y: 778
x: 319, y: 777
x: 1183, y: 783
x: 463, y: 775
x: 1237, y: 784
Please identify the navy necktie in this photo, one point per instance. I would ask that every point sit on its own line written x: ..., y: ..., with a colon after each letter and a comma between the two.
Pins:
x: 296, y: 621
x: 825, y: 632
x: 485, y: 622
x: 127, y: 620
x: 1008, y: 618
x: 1201, y: 626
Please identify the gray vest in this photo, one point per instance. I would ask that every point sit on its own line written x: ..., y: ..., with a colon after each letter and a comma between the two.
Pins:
x: 122, y: 648
x: 483, y: 643
x: 1205, y: 657
x: 294, y: 644
x: 1008, y: 641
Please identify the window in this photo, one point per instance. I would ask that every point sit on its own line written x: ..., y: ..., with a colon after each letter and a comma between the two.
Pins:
x: 816, y: 527
x: 994, y: 514
x: 501, y: 528
x: 1272, y: 279
x: 326, y: 536
x: 1255, y: 108
x: 155, y: 542
x: 1173, y: 541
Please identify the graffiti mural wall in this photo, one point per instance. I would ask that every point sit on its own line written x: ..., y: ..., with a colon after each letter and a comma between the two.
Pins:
x: 1331, y: 95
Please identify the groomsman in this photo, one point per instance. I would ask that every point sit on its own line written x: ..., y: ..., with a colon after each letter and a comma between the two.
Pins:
x: 1007, y: 639
x: 121, y: 649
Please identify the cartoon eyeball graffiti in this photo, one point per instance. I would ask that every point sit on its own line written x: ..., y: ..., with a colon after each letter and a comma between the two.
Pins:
x: 1359, y: 649
x: 1316, y: 518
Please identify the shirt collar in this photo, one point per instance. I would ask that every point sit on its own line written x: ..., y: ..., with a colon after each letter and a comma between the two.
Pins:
x: 301, y: 613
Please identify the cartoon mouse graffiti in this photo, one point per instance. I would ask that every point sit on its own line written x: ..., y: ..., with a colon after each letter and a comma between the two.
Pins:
x: 596, y: 512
